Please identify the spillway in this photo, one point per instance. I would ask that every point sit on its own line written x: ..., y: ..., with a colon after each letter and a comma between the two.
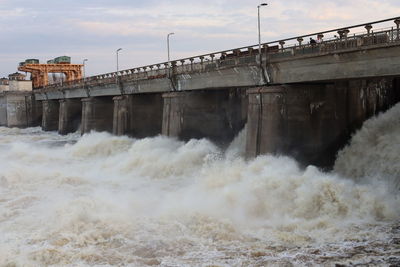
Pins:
x: 115, y: 201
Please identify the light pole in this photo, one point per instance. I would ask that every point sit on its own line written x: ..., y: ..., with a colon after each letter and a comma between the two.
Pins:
x: 169, y: 59
x: 259, y: 31
x: 119, y: 49
x: 116, y: 74
x: 84, y: 71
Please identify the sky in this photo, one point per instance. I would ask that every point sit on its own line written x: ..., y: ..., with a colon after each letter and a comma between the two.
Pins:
x: 95, y: 29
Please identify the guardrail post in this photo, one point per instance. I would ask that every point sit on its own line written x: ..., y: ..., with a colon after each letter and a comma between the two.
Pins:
x: 182, y: 65
x: 201, y: 59
x: 201, y: 62
x: 368, y: 27
x: 212, y: 57
x: 340, y: 32
x: 397, y: 21
x: 282, y: 43
x: 191, y: 63
x: 166, y: 65
x: 300, y: 40
x: 345, y: 34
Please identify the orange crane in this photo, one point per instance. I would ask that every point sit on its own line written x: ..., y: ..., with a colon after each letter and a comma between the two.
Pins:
x: 39, y: 72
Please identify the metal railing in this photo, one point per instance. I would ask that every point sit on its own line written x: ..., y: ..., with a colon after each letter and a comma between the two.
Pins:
x: 326, y: 41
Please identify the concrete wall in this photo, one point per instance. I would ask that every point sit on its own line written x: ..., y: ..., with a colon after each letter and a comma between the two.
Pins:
x: 138, y: 116
x: 97, y: 114
x: 356, y: 63
x: 311, y: 122
x: 34, y: 111
x: 214, y: 114
x: 16, y: 110
x: 3, y: 109
x: 20, y: 85
x: 50, y: 116
x: 4, y: 87
x: 70, y: 116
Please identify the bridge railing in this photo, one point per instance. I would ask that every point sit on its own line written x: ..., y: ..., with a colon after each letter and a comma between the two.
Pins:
x: 324, y: 42
x: 383, y: 36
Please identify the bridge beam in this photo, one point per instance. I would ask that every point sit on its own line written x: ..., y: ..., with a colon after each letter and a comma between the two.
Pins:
x: 70, y: 115
x: 51, y: 109
x: 311, y: 122
x: 137, y: 115
x: 97, y: 114
x: 214, y: 114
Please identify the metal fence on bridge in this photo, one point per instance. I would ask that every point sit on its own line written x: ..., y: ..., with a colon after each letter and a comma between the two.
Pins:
x: 326, y: 42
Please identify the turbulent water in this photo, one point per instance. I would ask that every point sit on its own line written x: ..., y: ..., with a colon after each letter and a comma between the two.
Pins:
x: 101, y: 200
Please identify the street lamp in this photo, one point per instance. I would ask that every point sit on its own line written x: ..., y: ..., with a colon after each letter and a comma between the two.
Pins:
x: 84, y: 72
x: 169, y: 59
x: 259, y: 31
x: 119, y: 49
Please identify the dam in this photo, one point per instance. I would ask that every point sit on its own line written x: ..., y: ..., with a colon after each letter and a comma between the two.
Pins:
x: 208, y: 161
x: 297, y: 98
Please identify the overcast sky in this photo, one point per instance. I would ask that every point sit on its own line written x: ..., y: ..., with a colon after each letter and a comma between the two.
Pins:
x: 94, y: 29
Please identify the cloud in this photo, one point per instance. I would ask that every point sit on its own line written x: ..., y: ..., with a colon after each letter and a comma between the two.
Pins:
x: 95, y: 28
x: 11, y: 13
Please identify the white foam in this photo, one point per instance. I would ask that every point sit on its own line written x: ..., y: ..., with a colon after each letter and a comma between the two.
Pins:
x: 108, y: 200
x: 373, y: 154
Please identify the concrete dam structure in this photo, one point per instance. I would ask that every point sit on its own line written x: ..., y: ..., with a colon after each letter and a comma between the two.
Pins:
x: 295, y: 98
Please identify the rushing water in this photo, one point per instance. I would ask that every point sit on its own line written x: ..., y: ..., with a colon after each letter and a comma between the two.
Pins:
x: 104, y: 200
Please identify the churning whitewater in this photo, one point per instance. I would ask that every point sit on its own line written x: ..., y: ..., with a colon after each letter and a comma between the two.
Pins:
x: 105, y: 200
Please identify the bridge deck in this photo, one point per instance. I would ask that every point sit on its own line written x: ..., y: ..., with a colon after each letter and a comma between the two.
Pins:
x: 344, y: 57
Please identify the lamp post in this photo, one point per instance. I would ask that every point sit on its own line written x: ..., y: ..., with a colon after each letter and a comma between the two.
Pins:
x: 397, y: 21
x: 116, y: 74
x: 84, y: 71
x: 259, y: 30
x: 169, y: 59
x: 119, y: 49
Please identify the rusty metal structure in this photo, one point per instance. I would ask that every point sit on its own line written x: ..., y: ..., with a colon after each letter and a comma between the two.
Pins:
x: 39, y: 72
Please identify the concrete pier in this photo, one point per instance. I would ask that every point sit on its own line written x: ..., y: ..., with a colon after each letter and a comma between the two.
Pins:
x: 97, y: 114
x: 3, y: 109
x: 214, y: 114
x: 16, y: 111
x: 312, y: 122
x: 34, y: 111
x: 70, y: 115
x: 138, y: 116
x: 13, y: 109
x: 50, y: 117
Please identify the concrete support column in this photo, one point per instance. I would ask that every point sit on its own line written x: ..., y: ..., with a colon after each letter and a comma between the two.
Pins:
x: 19, y: 109
x: 312, y: 122
x: 138, y: 116
x: 121, y: 115
x: 214, y: 114
x: 97, y: 114
x: 3, y: 109
x: 394, y: 95
x: 34, y: 111
x: 306, y: 122
x: 50, y: 116
x: 266, y: 114
x: 70, y: 115
x: 16, y: 111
